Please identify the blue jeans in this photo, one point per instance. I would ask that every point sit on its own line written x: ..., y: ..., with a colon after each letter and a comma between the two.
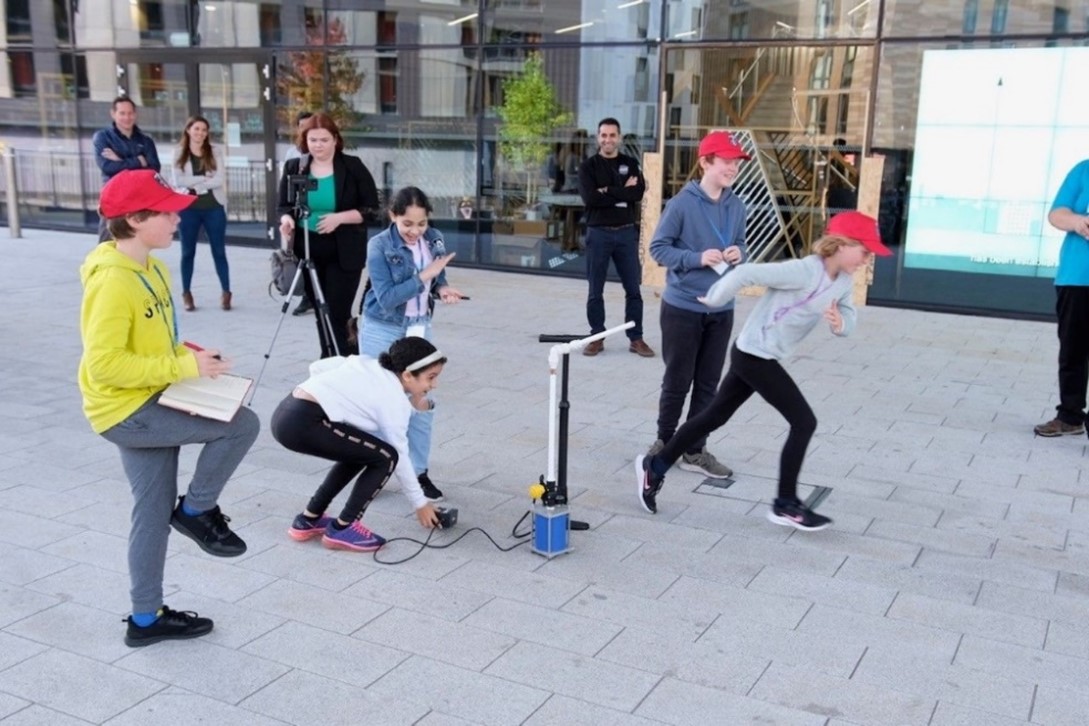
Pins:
x: 622, y: 247
x: 214, y: 222
x: 374, y: 339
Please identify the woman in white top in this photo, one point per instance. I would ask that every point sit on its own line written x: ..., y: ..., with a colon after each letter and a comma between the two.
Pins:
x: 354, y: 411
x: 199, y: 170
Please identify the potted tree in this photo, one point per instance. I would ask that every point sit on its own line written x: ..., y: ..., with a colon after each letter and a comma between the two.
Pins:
x: 530, y: 114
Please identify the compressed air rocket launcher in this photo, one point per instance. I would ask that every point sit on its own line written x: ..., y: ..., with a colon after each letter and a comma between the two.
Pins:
x: 551, y: 522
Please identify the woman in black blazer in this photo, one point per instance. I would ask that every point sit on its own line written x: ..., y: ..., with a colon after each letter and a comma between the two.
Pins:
x: 342, y: 192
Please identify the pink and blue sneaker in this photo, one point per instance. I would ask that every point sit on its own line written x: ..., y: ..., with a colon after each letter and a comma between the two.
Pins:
x: 354, y: 537
x: 303, y: 528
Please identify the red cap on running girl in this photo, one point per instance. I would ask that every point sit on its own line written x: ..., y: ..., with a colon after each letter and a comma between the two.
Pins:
x: 860, y: 227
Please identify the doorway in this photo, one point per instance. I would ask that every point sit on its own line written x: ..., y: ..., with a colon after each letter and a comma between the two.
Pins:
x: 234, y: 94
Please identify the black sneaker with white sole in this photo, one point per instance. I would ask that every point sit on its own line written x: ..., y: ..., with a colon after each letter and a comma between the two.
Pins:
x: 431, y: 492
x: 171, y: 625
x: 648, y: 484
x: 792, y: 513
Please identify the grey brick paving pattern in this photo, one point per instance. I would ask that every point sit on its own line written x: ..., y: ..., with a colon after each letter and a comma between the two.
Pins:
x: 953, y: 589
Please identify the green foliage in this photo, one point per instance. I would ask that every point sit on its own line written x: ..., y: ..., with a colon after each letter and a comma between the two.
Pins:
x: 530, y: 114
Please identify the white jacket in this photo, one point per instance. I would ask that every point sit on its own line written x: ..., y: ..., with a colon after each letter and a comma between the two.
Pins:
x: 357, y: 391
x: 185, y: 179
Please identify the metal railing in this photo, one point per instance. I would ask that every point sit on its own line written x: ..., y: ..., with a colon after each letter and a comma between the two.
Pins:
x: 67, y: 180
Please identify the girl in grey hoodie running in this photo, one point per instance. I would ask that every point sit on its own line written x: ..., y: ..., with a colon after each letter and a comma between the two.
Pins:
x: 800, y: 293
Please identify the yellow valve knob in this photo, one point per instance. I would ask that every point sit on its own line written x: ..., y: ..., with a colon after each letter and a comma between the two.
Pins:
x: 536, y: 491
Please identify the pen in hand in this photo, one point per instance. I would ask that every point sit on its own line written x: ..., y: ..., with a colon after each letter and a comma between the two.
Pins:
x: 197, y: 348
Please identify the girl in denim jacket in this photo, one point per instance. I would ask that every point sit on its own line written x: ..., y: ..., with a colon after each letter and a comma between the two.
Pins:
x: 407, y: 264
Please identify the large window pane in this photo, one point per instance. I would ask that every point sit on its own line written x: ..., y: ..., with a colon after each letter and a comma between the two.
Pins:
x: 985, y: 17
x: 184, y: 23
x: 977, y: 154
x: 532, y: 148
x: 570, y: 21
x: 409, y: 116
x: 770, y: 19
x: 410, y: 22
x: 40, y: 128
x: 803, y: 109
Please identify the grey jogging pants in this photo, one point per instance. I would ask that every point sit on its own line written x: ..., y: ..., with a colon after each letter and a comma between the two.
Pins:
x: 150, y: 441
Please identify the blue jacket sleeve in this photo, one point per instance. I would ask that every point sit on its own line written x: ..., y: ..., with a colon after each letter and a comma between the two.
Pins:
x: 665, y: 247
x: 109, y: 168
x: 388, y: 294
x: 152, y: 156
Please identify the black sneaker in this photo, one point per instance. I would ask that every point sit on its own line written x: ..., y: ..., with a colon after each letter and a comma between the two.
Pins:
x: 794, y: 514
x: 432, y: 492
x: 171, y: 625
x: 303, y: 308
x: 647, y: 484
x: 209, y: 530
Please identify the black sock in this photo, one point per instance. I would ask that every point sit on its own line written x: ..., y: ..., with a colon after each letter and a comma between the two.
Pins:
x: 338, y: 526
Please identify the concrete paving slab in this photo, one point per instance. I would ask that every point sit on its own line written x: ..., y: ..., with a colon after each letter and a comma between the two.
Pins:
x: 956, y: 530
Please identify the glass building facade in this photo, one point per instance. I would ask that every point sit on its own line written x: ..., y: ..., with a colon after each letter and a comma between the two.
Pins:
x: 968, y: 103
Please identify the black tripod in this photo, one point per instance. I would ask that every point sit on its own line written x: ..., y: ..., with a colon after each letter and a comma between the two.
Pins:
x: 298, y: 185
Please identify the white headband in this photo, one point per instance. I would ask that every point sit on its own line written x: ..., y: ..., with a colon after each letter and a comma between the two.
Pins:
x: 425, y: 361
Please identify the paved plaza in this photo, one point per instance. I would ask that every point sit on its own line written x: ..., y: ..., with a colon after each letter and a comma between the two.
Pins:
x: 953, y: 588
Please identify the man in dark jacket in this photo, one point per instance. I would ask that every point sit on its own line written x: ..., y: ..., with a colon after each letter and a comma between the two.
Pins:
x: 612, y: 187
x: 122, y: 145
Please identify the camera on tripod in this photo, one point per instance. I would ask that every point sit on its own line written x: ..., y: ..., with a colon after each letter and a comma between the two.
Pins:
x: 299, y: 184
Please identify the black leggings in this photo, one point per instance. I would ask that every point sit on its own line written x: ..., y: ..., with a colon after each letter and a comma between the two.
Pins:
x: 749, y: 374
x: 302, y: 426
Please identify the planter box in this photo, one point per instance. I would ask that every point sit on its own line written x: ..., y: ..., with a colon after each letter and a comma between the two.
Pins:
x: 517, y: 250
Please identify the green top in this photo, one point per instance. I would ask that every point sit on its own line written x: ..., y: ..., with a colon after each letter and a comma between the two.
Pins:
x: 322, y: 200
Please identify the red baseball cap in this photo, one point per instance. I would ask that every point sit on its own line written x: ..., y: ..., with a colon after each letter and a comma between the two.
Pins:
x: 138, y: 190
x: 860, y: 228
x: 722, y: 145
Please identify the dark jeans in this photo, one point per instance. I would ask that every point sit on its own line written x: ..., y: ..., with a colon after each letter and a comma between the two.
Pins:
x: 622, y: 247
x: 339, y: 287
x: 214, y: 221
x: 694, y: 350
x: 749, y: 374
x: 1072, y: 307
x: 302, y: 426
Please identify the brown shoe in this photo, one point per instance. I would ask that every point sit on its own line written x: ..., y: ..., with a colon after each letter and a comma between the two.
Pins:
x: 639, y: 347
x: 187, y: 301
x: 225, y: 301
x: 1055, y: 427
x: 594, y: 347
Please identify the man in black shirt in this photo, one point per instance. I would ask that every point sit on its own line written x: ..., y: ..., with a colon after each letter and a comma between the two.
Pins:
x: 612, y: 187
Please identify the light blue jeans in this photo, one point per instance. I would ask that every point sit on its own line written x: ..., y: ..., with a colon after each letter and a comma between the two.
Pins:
x: 374, y: 339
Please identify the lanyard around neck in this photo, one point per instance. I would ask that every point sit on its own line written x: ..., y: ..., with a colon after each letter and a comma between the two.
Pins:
x: 782, y: 312
x: 171, y: 330
x: 721, y: 237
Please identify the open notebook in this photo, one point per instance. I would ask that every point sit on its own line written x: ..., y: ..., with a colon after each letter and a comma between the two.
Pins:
x: 217, y: 398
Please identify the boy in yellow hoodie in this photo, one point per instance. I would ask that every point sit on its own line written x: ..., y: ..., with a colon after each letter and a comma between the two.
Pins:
x: 131, y: 352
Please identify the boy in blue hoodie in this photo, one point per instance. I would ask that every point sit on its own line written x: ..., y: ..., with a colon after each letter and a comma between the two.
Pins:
x: 701, y: 235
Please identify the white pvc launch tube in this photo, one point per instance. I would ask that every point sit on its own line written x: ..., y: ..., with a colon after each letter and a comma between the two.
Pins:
x: 555, y: 357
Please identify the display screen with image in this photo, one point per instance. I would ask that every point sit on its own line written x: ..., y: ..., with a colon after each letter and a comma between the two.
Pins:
x: 998, y: 130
